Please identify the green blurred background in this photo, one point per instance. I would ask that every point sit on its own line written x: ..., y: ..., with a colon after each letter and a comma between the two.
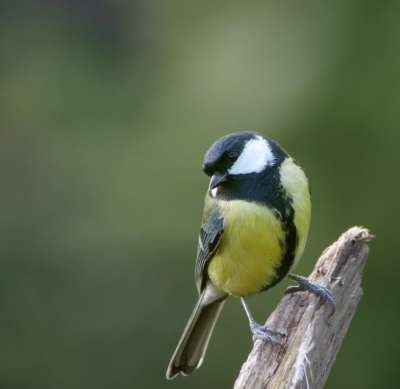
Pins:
x: 106, y: 111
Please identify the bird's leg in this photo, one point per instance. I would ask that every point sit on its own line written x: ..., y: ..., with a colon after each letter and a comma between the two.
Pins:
x: 306, y: 285
x: 259, y: 331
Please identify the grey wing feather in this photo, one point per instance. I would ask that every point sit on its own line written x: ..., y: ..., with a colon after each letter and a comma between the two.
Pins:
x: 209, y: 242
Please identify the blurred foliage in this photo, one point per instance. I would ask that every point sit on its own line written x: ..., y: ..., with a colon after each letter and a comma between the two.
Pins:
x: 106, y: 110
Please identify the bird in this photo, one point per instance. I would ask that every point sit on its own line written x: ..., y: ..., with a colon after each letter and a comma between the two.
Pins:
x: 255, y: 224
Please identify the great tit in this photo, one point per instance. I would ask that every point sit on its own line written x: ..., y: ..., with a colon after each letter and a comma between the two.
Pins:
x: 255, y: 225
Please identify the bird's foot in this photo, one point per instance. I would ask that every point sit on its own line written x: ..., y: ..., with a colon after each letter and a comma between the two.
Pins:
x: 261, y: 332
x: 306, y: 285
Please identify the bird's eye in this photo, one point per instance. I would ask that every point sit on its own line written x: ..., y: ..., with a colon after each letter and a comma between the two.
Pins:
x: 233, y: 156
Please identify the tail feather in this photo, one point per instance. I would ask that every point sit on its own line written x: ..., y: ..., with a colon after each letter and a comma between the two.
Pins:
x: 192, y: 346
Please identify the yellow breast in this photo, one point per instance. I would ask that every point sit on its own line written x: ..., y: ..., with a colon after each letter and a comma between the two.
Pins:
x: 250, y: 250
x: 253, y: 241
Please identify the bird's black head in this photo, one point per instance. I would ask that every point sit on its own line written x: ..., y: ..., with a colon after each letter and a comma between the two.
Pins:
x: 239, y: 156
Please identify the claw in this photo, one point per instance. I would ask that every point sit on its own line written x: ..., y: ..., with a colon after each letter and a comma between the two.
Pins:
x: 306, y: 285
x: 259, y: 331
x: 268, y: 339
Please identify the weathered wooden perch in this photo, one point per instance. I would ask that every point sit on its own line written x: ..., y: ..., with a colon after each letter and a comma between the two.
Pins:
x: 313, y: 337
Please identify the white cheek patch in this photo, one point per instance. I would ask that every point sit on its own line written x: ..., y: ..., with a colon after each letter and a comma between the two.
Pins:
x: 256, y: 155
x: 214, y: 192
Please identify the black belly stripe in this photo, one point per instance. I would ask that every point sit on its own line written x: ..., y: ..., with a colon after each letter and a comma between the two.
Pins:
x: 266, y: 188
x: 290, y: 246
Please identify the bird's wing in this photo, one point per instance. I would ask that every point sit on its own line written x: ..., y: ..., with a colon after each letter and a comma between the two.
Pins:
x: 209, y: 242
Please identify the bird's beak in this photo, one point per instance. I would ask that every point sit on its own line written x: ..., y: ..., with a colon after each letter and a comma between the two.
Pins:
x: 217, y: 180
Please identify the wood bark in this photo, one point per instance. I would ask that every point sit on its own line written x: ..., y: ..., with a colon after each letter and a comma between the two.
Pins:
x: 313, y: 337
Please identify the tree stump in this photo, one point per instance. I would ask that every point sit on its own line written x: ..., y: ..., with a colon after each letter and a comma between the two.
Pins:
x: 313, y: 337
